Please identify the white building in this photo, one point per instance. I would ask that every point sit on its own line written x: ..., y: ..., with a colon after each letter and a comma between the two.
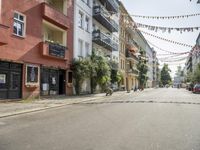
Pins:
x: 82, y: 28
x: 83, y: 33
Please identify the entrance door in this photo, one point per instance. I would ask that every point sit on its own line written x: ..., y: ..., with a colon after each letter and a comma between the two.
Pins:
x: 15, y: 85
x: 61, y: 82
x: 10, y: 80
x: 4, y: 84
x: 52, y: 81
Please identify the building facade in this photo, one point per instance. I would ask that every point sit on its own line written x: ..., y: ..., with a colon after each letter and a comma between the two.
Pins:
x: 36, y: 48
x: 155, y: 81
x: 128, y: 51
x: 196, y: 54
x: 104, y: 27
x: 83, y: 34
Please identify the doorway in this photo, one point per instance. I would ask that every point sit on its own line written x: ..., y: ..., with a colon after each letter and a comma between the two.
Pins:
x: 10, y: 80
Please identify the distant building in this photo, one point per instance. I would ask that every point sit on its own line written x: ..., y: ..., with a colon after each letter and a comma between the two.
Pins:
x: 196, y: 54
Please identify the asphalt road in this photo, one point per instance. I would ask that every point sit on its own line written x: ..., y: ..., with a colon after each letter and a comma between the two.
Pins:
x: 161, y: 119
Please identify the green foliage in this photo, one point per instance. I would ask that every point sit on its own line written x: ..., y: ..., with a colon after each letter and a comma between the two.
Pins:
x: 196, y: 75
x: 143, y: 68
x: 165, y: 75
x: 116, y: 76
x: 99, y: 71
x: 80, y: 72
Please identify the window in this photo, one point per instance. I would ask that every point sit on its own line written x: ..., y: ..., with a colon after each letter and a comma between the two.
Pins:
x: 88, y: 2
x: 80, y: 48
x: 87, y: 49
x: 19, y: 24
x: 87, y: 24
x: 80, y: 20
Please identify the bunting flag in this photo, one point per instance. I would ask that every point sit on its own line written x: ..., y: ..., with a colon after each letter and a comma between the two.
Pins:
x: 170, y: 52
x: 167, y: 40
x: 166, y: 29
x: 175, y: 60
x: 166, y: 17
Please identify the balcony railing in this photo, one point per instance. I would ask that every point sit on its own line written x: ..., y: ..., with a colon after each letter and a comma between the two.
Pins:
x: 130, y: 55
x: 54, y: 16
x: 111, y: 5
x: 3, y: 34
x: 102, y: 39
x: 115, y: 46
x: 133, y: 71
x: 54, y: 50
x: 132, y: 45
x: 103, y: 17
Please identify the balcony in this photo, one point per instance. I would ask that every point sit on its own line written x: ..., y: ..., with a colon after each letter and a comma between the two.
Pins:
x: 54, y: 50
x: 131, y: 56
x: 111, y: 5
x: 102, y: 39
x: 3, y: 34
x: 115, y: 46
x: 132, y: 46
x: 55, y: 16
x: 133, y: 71
x: 103, y: 17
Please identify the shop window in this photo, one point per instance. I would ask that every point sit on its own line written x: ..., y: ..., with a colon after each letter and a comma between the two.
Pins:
x: 32, y: 75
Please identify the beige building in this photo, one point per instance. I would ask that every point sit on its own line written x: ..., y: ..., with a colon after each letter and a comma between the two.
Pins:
x: 128, y: 51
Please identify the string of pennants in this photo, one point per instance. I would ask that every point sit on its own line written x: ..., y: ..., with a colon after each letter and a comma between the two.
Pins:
x: 166, y: 17
x: 166, y: 29
x: 167, y: 40
x: 169, y: 52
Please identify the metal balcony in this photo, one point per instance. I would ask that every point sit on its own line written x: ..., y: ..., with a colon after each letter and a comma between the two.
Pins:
x: 131, y: 56
x: 111, y: 5
x: 103, y: 17
x: 102, y: 39
x: 133, y: 71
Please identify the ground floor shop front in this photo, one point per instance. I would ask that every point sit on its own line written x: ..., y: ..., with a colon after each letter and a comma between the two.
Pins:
x: 25, y: 80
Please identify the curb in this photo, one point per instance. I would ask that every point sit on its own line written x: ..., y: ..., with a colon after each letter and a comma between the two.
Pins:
x: 44, y: 108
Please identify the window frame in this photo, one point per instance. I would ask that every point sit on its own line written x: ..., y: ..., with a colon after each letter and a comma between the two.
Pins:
x: 19, y: 21
x: 87, y: 24
x: 81, y: 20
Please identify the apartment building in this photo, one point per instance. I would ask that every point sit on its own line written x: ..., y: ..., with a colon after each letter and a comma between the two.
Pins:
x: 104, y: 25
x: 36, y: 49
x: 155, y: 81
x: 196, y: 53
x: 83, y: 33
x: 128, y: 52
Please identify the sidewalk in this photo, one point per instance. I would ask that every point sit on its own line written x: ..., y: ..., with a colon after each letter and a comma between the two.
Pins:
x: 21, y: 107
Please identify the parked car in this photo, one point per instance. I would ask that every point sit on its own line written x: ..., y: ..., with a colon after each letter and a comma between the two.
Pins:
x: 190, y: 87
x: 196, y: 88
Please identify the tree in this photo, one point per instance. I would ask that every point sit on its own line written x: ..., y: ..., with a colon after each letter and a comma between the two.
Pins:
x: 142, y: 67
x: 80, y: 72
x: 165, y: 75
x: 196, y: 75
x: 99, y: 71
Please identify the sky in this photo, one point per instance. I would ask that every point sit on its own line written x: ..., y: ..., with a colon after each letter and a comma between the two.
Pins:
x: 167, y: 8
